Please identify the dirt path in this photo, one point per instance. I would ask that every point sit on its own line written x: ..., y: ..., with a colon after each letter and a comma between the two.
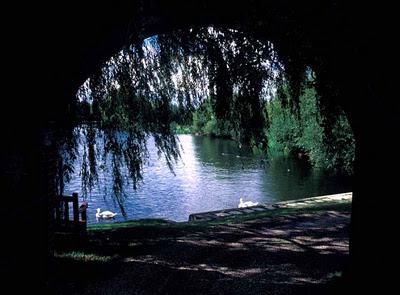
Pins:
x: 280, y: 255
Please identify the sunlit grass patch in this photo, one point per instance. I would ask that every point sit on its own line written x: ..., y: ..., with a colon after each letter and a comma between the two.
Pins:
x: 130, y: 224
x: 84, y: 257
x: 335, y: 274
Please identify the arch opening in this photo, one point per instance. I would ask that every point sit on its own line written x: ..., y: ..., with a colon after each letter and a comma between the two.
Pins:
x: 170, y: 80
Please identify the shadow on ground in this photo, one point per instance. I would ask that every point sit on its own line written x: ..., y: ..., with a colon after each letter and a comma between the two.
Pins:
x: 295, y: 254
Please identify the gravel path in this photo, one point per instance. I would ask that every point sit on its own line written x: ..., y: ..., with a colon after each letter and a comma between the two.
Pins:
x: 292, y: 254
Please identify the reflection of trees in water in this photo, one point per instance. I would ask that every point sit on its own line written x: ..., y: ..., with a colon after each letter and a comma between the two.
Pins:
x: 289, y: 178
x: 223, y: 153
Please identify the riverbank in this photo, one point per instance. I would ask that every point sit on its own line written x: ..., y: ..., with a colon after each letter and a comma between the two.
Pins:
x: 283, y: 251
x: 252, y: 212
x: 212, y: 174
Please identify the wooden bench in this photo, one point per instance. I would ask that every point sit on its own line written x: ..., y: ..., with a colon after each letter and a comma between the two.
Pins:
x: 62, y: 209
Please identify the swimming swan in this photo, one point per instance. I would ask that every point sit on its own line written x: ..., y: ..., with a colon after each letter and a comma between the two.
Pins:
x: 246, y: 204
x: 105, y: 214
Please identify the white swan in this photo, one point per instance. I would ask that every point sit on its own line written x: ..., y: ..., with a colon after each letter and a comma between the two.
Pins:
x: 246, y: 204
x: 105, y: 214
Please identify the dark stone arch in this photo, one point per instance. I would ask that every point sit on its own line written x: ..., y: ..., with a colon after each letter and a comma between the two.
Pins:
x: 52, y: 50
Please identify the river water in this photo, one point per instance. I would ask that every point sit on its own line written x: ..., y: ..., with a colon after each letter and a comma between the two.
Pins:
x: 213, y: 174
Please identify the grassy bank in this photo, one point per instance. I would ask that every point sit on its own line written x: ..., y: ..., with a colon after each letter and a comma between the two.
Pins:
x: 336, y: 205
x: 236, y: 253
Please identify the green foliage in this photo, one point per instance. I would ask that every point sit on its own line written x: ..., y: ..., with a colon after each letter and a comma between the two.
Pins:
x: 302, y: 133
x: 293, y: 131
x: 283, y: 132
x: 342, y: 150
x: 205, y: 122
x: 311, y: 137
x: 181, y: 129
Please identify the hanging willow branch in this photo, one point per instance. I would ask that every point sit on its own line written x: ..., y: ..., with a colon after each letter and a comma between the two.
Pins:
x: 137, y: 93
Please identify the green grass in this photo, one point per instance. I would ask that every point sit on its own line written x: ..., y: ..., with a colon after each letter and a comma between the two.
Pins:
x: 131, y: 223
x: 343, y: 205
x: 84, y: 257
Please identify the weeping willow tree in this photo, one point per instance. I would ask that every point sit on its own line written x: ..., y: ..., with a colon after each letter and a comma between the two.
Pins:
x: 135, y: 94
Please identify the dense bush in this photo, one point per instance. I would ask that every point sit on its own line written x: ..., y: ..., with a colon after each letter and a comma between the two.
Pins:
x: 301, y: 133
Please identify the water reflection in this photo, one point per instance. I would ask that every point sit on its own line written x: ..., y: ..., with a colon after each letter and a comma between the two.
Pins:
x: 213, y: 174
